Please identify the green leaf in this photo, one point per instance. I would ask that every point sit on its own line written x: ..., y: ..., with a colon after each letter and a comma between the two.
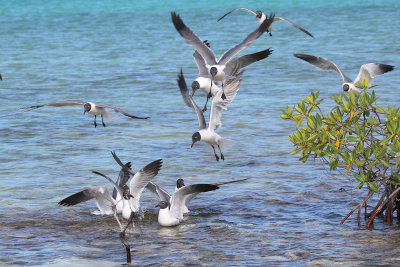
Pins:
x: 352, y: 138
x: 372, y: 186
x: 387, y: 164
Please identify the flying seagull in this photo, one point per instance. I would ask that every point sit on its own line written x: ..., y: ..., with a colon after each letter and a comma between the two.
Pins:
x: 367, y: 71
x: 106, y: 203
x: 204, y: 82
x: 165, y: 196
x: 208, y: 134
x: 91, y: 108
x: 216, y: 68
x: 260, y: 16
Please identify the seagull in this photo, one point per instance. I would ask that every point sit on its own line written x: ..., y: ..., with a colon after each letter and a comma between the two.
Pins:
x: 204, y: 82
x: 216, y: 68
x: 104, y: 201
x: 165, y: 196
x: 139, y: 180
x: 208, y: 134
x: 260, y: 16
x: 91, y: 108
x: 171, y: 211
x: 367, y: 72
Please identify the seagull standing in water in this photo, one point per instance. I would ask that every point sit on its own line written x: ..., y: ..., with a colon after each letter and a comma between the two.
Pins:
x: 204, y: 82
x: 91, y: 108
x: 367, y: 72
x: 217, y: 68
x: 208, y: 134
x: 260, y: 16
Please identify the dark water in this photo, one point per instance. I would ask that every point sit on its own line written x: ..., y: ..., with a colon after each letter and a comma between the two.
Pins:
x: 128, y: 54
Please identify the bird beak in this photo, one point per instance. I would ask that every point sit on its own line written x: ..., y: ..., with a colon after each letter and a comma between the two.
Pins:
x: 131, y: 196
x: 84, y: 112
x: 192, y: 145
x: 193, y: 93
x: 157, y: 206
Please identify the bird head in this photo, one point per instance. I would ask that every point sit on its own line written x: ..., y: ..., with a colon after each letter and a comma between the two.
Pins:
x: 162, y: 205
x: 195, y: 138
x: 86, y: 108
x: 195, y: 86
x: 180, y: 183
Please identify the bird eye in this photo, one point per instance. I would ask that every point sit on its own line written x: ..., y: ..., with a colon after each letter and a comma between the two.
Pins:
x: 346, y: 87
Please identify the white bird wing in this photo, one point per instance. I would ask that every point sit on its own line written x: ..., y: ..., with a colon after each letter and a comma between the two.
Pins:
x: 118, y: 188
x: 178, y: 199
x: 240, y: 8
x: 191, y: 38
x: 324, y: 64
x: 201, y: 64
x: 247, y: 41
x: 100, y: 194
x: 141, y: 179
x: 244, y: 61
x: 187, y: 98
x: 59, y: 104
x: 218, y: 104
x: 160, y: 192
x: 120, y: 111
x: 294, y: 25
x: 371, y: 70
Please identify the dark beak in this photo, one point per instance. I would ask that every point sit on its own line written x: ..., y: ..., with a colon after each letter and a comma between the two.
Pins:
x: 192, y: 145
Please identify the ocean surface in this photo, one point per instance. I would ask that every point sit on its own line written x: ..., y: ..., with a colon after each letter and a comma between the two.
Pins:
x: 128, y: 54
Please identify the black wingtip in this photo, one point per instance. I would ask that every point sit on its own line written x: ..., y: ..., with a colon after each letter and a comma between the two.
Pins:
x: 206, y: 187
x: 177, y: 21
x: 386, y: 68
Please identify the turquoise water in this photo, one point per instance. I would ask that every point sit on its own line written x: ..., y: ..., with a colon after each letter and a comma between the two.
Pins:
x: 128, y: 54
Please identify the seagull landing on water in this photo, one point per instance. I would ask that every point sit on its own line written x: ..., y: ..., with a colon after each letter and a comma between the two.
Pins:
x: 216, y: 68
x: 367, y: 71
x: 204, y: 82
x: 208, y: 134
x: 260, y: 16
x: 106, y: 203
x: 165, y: 196
x: 91, y: 108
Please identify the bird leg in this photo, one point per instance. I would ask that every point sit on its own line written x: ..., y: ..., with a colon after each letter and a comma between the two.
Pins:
x: 222, y: 156
x: 95, y: 124
x: 223, y: 96
x: 208, y: 97
x: 216, y: 156
x: 102, y: 121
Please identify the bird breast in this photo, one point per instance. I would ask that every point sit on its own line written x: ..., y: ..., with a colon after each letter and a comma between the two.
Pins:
x: 95, y: 110
x: 165, y: 218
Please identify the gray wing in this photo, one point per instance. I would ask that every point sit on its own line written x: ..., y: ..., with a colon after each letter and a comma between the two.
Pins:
x: 178, y: 199
x: 187, y: 98
x: 218, y: 104
x: 230, y: 182
x: 120, y: 111
x: 371, y: 70
x: 246, y: 60
x: 191, y: 38
x: 323, y: 64
x: 116, y: 186
x: 141, y: 179
x: 247, y: 41
x: 59, y: 104
x: 240, y: 8
x: 100, y: 194
x: 161, y: 193
x: 123, y: 177
x: 294, y: 25
x: 121, y: 164
x: 201, y: 64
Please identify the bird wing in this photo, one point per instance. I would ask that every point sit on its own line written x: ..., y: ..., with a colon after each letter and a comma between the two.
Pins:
x: 116, y: 186
x: 123, y: 178
x: 178, y: 199
x: 294, y: 25
x: 187, y: 98
x: 121, y: 164
x: 100, y: 194
x: 230, y: 182
x: 240, y: 8
x: 323, y: 64
x: 231, y: 88
x: 191, y: 38
x: 371, y: 70
x: 247, y: 41
x: 141, y: 179
x: 201, y: 64
x: 246, y: 60
x: 160, y: 192
x: 59, y: 104
x: 120, y: 111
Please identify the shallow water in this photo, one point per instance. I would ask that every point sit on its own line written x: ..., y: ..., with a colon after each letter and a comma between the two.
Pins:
x: 129, y: 55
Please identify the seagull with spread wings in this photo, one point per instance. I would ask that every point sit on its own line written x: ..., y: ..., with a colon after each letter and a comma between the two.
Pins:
x: 368, y: 72
x: 90, y: 108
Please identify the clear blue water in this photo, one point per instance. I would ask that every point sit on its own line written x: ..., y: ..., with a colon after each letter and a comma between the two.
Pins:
x: 128, y: 54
